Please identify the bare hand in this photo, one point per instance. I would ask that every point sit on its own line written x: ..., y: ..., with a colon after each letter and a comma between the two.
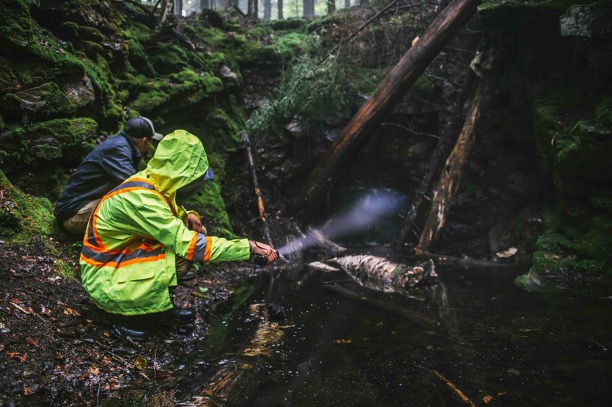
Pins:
x: 267, y: 251
x: 193, y: 222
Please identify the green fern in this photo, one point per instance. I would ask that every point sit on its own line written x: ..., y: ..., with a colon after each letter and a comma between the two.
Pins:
x: 310, y: 91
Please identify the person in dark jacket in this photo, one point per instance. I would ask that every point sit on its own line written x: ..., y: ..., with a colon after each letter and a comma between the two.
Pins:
x: 105, y: 167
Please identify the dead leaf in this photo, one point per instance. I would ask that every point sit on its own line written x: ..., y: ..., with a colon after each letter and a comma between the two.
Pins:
x: 32, y: 342
x: 44, y: 310
x: 507, y: 253
x: 343, y: 341
x: 18, y: 355
x: 487, y: 399
x: 70, y: 311
x: 140, y: 362
x: 94, y: 370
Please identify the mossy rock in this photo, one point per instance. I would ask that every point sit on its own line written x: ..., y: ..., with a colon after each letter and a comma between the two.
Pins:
x: 21, y: 215
x: 47, y: 99
x: 185, y: 88
x: 209, y: 204
x: 8, y: 80
x: 45, y: 141
x: 580, y: 248
x: 167, y: 59
x: 16, y: 26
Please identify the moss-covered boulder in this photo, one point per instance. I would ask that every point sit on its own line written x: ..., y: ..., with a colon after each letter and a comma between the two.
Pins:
x: 21, y: 215
x: 40, y: 143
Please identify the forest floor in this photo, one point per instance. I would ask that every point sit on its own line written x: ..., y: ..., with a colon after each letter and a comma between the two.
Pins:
x: 56, y: 348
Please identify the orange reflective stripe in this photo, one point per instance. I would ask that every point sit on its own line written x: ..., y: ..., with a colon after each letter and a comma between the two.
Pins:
x: 192, y: 245
x: 107, y: 196
x: 208, y: 248
x: 116, y: 265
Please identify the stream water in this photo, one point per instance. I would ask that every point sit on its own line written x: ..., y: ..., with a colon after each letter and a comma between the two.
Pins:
x: 473, y: 338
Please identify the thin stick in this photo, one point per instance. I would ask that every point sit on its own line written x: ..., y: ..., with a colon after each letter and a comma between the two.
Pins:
x: 455, y: 389
x: 260, y: 203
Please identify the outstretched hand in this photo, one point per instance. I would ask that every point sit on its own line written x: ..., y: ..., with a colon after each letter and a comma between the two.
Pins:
x: 193, y: 222
x: 265, y: 250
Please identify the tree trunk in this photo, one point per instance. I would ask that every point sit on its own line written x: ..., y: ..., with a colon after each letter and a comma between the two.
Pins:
x: 451, y: 177
x: 309, y: 8
x: 252, y: 9
x: 331, y: 7
x: 280, y: 9
x: 392, y: 89
x: 267, y: 14
x: 347, y: 3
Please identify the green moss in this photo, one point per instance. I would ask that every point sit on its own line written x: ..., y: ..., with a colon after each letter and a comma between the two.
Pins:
x: 23, y: 216
x: 182, y: 89
x: 167, y: 59
x: 8, y: 79
x: 209, y: 204
x: 64, y: 269
x: 16, y: 26
x: 47, y: 140
x: 51, y: 99
x: 567, y: 247
x: 103, y: 80
x: 289, y: 45
x: 603, y: 114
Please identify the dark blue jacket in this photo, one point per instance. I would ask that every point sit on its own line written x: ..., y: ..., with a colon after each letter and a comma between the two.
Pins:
x: 105, y: 167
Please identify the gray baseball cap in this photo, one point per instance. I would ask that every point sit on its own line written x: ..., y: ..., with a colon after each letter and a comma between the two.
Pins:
x: 138, y: 127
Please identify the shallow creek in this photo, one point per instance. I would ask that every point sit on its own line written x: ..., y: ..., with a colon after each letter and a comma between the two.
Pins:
x: 473, y: 339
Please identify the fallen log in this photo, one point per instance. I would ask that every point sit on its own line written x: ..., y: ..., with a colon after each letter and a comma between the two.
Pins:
x: 392, y: 89
x: 383, y: 275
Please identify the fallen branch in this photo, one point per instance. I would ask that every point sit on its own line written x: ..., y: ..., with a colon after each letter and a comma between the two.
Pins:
x: 454, y: 388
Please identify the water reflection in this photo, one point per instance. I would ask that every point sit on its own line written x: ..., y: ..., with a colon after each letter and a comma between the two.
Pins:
x: 474, y: 338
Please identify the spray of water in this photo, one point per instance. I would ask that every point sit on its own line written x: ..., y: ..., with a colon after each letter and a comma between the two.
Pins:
x: 368, y: 209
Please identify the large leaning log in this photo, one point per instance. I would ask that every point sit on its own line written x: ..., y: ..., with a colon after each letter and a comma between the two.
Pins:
x: 442, y: 150
x: 392, y: 89
x: 451, y: 176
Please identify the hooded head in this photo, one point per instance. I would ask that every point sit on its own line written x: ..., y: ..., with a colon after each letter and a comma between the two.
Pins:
x: 179, y: 160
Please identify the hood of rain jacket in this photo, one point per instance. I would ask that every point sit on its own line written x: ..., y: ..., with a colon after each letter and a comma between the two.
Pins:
x: 134, y: 235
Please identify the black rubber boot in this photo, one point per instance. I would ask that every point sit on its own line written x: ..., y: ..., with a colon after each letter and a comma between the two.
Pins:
x: 182, y: 314
x: 130, y: 332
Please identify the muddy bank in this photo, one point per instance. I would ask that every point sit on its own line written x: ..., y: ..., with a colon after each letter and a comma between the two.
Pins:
x: 56, y: 348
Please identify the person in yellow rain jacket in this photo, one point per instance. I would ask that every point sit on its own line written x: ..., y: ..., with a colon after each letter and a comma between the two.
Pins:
x: 138, y: 234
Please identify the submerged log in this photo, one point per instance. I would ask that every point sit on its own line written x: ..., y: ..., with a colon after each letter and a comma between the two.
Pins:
x: 238, y: 380
x: 392, y: 89
x: 383, y: 275
x: 386, y: 306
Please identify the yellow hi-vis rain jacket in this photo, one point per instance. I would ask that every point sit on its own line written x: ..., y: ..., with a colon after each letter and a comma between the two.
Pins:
x: 137, y: 230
